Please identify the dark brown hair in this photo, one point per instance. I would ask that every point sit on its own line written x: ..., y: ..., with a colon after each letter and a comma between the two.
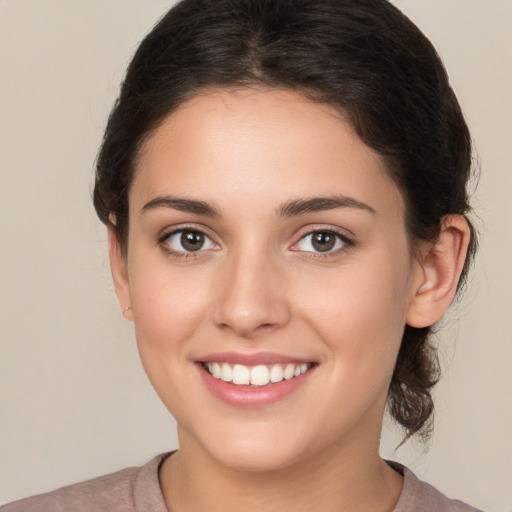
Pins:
x: 365, y: 58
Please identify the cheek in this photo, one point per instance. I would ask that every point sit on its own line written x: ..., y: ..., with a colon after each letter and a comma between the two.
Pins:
x: 359, y: 312
x: 167, y: 306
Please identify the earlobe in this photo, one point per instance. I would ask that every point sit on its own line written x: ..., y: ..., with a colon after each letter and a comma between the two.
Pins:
x: 441, y: 265
x: 119, y: 271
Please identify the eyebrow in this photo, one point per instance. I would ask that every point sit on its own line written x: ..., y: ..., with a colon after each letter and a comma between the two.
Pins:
x: 183, y: 205
x: 320, y: 204
x: 288, y: 209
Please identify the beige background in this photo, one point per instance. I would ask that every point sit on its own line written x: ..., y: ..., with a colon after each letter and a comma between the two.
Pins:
x: 74, y: 402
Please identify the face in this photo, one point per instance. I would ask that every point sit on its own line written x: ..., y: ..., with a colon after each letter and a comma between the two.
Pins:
x: 267, y: 246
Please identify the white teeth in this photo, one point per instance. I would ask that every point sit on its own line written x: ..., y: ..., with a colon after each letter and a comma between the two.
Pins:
x: 276, y: 373
x: 241, y: 374
x: 216, y: 370
x: 226, y: 372
x: 260, y: 376
x: 289, y: 371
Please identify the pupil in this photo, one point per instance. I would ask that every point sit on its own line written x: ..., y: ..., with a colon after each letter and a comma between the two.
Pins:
x: 192, y: 240
x: 323, y: 241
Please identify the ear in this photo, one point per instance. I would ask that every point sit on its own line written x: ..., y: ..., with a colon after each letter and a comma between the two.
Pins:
x: 119, y: 269
x: 441, y: 265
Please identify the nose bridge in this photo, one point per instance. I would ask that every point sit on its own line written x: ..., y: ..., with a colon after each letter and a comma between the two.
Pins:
x: 251, y: 298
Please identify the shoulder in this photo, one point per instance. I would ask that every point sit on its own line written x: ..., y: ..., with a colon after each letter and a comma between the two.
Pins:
x: 128, y: 490
x: 423, y: 497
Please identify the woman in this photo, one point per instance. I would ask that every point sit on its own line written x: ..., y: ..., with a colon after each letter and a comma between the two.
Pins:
x: 284, y: 187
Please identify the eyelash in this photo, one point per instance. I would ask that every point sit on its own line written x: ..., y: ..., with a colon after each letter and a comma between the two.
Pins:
x: 344, y: 239
x: 346, y: 243
x: 162, y: 242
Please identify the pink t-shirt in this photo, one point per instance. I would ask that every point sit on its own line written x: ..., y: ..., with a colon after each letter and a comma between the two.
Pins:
x: 137, y: 490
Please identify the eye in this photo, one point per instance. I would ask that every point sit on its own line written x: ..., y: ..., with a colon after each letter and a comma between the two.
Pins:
x: 322, y: 241
x: 188, y: 240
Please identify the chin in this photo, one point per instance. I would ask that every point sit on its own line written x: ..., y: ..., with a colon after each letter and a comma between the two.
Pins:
x: 255, y: 451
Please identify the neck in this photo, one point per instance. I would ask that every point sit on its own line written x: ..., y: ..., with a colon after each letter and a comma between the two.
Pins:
x: 335, y: 480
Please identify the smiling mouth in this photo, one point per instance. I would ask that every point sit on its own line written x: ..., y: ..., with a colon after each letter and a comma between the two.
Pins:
x: 255, y: 376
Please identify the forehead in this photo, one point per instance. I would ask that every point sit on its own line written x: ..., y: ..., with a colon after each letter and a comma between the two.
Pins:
x: 263, y: 145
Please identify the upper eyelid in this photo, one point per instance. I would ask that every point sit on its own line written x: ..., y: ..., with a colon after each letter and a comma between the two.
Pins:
x: 347, y: 244
x: 345, y: 240
x: 163, y: 237
x: 325, y: 230
x: 342, y: 233
x: 167, y: 232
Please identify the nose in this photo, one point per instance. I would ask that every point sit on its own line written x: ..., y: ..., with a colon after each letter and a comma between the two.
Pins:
x: 251, y: 296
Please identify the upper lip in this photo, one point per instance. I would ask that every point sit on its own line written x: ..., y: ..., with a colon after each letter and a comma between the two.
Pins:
x: 252, y: 359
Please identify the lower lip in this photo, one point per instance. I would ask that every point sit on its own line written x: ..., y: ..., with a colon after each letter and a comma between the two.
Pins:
x: 252, y: 396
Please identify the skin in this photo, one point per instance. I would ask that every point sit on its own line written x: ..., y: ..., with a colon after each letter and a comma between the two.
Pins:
x: 259, y: 286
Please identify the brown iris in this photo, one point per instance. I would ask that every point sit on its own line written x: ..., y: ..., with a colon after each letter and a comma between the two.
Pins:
x: 192, y: 240
x: 323, y: 241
